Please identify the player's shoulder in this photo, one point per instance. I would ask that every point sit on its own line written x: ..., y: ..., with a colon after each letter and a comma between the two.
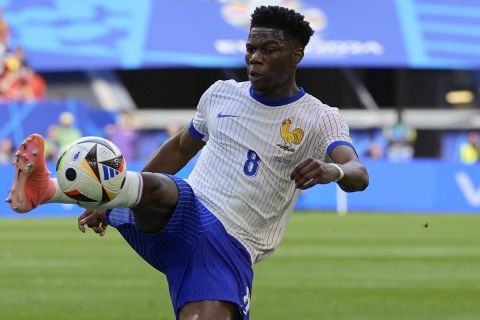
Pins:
x: 314, y: 102
x: 228, y: 85
x: 223, y: 90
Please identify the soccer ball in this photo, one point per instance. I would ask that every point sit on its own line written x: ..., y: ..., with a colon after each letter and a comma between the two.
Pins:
x: 91, y: 171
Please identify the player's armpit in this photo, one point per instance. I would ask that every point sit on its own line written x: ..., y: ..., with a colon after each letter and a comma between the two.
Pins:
x: 175, y: 153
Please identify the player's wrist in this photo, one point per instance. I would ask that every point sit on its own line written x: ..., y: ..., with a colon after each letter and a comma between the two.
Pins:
x: 341, y: 173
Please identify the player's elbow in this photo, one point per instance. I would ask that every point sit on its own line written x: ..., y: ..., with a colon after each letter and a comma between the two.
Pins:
x: 359, y: 183
x: 363, y: 184
x: 363, y: 180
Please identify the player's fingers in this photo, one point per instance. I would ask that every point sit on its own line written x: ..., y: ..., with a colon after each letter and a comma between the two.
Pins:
x: 84, y: 222
x: 306, y: 173
x: 308, y: 184
x: 100, y: 230
x: 300, y: 180
x: 91, y: 220
x: 81, y: 227
x: 95, y: 219
x: 299, y: 167
x: 317, y: 170
x: 81, y: 219
x: 103, y: 229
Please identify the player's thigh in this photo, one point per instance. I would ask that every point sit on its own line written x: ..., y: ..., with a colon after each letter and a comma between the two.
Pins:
x: 209, y: 310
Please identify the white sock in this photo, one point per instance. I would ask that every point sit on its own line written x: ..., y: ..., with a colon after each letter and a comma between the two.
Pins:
x: 59, y: 196
x: 129, y: 197
x: 131, y: 192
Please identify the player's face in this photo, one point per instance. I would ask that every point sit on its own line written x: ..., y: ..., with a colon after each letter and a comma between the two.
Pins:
x: 271, y: 62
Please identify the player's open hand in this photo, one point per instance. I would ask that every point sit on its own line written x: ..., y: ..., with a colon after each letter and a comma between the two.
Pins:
x: 310, y: 172
x: 94, y: 219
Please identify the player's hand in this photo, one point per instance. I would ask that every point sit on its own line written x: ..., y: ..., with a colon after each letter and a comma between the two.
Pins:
x: 94, y: 219
x: 310, y: 172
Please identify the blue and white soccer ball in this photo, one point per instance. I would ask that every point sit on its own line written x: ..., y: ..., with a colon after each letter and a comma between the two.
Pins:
x: 91, y: 171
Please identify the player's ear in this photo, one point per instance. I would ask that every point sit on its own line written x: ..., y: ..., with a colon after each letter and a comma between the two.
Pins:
x: 297, y: 55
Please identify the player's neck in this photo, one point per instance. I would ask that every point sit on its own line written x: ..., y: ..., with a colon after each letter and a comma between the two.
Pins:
x: 278, y: 93
x: 277, y: 102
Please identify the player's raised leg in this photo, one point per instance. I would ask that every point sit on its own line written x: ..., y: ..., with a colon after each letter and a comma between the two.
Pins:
x: 32, y: 185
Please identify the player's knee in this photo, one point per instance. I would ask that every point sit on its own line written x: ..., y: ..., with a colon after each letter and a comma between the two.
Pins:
x: 159, y: 198
x: 158, y: 190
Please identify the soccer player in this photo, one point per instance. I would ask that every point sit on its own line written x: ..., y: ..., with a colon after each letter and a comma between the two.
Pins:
x: 262, y: 142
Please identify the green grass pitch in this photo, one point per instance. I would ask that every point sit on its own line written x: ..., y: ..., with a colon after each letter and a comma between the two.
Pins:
x: 360, y: 266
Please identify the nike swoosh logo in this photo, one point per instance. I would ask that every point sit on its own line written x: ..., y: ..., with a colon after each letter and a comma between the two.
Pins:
x: 220, y: 115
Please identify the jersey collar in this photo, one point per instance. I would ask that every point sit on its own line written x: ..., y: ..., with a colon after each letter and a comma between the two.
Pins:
x: 276, y: 103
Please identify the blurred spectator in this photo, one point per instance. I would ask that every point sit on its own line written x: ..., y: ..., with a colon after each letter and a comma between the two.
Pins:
x: 374, y: 151
x: 7, y: 151
x: 35, y: 87
x: 172, y: 129
x: 470, y: 149
x: 401, y: 138
x: 18, y: 81
x: 51, y: 144
x: 124, y: 136
x: 31, y: 85
x: 66, y: 131
x: 4, y: 34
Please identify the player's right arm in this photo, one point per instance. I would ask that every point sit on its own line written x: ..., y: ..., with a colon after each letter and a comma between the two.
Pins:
x: 175, y: 153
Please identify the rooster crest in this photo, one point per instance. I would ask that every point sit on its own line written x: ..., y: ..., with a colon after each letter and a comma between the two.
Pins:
x: 290, y: 138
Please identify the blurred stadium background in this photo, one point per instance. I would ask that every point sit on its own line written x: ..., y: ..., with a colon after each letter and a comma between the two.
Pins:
x: 404, y: 73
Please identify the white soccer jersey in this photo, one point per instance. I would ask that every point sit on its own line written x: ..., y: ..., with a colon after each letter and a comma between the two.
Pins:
x: 243, y: 173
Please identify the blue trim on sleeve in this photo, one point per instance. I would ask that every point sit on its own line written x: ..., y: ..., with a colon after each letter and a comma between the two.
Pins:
x: 194, y: 132
x: 276, y: 103
x: 338, y: 143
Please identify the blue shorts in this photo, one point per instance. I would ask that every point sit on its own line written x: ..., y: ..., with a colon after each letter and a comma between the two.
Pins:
x: 199, y: 258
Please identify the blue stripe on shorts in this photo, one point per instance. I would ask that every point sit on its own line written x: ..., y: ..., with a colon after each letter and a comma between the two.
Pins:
x: 200, y: 259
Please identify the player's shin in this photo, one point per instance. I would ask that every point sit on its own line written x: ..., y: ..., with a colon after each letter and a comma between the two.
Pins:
x: 58, y: 195
x: 128, y: 197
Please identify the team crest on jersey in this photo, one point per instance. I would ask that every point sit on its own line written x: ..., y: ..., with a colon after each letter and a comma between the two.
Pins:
x: 291, y: 135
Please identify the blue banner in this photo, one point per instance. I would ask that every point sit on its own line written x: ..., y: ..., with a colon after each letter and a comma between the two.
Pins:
x: 432, y: 186
x: 414, y: 187
x: 20, y: 119
x: 92, y: 34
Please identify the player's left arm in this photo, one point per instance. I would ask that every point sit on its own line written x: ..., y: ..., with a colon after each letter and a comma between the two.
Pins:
x: 311, y: 171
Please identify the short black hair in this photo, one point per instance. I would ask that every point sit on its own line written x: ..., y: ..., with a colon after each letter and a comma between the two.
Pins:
x: 291, y: 22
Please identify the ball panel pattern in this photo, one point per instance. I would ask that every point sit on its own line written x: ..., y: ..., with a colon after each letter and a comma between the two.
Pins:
x: 91, y: 171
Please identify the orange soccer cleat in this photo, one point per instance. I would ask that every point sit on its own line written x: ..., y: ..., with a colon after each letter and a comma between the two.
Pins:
x: 31, y: 183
